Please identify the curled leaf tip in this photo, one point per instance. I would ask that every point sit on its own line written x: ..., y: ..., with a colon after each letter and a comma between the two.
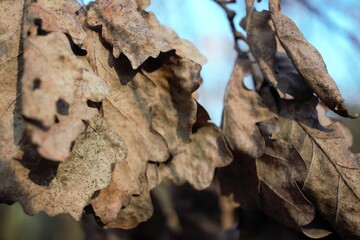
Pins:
x: 341, y: 110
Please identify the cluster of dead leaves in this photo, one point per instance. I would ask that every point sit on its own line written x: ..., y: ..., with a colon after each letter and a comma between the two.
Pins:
x: 97, y: 107
x: 291, y: 161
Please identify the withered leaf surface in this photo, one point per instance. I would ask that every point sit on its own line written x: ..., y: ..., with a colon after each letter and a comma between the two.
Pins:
x: 12, y: 124
x: 309, y: 64
x: 306, y: 166
x: 139, y: 208
x: 332, y: 176
x: 242, y: 110
x: 260, y: 37
x: 41, y: 185
x: 175, y: 113
x: 47, y: 16
x: 141, y: 4
x: 123, y: 27
x: 127, y: 108
x: 183, y: 47
x: 55, y: 98
x: 197, y: 163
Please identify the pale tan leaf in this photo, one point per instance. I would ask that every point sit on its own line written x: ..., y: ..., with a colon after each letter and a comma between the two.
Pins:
x: 55, y: 98
x: 41, y: 185
x: 44, y: 16
x: 309, y: 64
x: 12, y: 124
x: 123, y: 27
x: 141, y: 4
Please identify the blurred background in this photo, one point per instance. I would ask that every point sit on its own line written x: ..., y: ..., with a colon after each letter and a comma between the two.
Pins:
x: 332, y: 26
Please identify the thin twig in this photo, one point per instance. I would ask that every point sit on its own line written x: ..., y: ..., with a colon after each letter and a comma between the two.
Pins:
x: 231, y: 15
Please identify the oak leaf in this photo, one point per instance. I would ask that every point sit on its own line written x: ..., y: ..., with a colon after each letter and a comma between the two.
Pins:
x: 197, y: 163
x: 309, y: 63
x: 44, y: 16
x: 260, y: 37
x: 41, y: 185
x: 250, y: 141
x: 304, y: 173
x: 175, y: 114
x: 53, y: 102
x: 127, y: 108
x: 123, y: 27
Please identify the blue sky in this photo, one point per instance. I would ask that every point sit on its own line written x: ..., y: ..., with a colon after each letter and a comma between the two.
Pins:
x: 204, y: 24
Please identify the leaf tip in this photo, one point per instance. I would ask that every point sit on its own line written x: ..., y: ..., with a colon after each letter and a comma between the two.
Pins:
x: 341, y: 110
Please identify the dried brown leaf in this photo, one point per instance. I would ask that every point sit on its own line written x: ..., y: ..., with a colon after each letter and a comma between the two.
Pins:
x: 332, y: 176
x: 242, y: 110
x: 139, y: 208
x: 183, y: 47
x: 41, y: 185
x: 309, y: 64
x: 261, y: 40
x: 197, y: 163
x: 127, y: 108
x: 141, y: 4
x: 123, y: 27
x: 45, y: 16
x: 56, y: 103
x: 305, y: 167
x: 12, y: 124
x: 175, y: 114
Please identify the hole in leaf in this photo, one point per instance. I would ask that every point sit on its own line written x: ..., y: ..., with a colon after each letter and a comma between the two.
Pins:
x: 62, y: 107
x: 249, y: 82
x: 36, y: 84
x: 56, y: 119
x: 92, y: 104
x: 40, y: 31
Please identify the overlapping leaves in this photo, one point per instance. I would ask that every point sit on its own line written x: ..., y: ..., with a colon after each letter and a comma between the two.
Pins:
x: 107, y: 95
x: 287, y: 164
